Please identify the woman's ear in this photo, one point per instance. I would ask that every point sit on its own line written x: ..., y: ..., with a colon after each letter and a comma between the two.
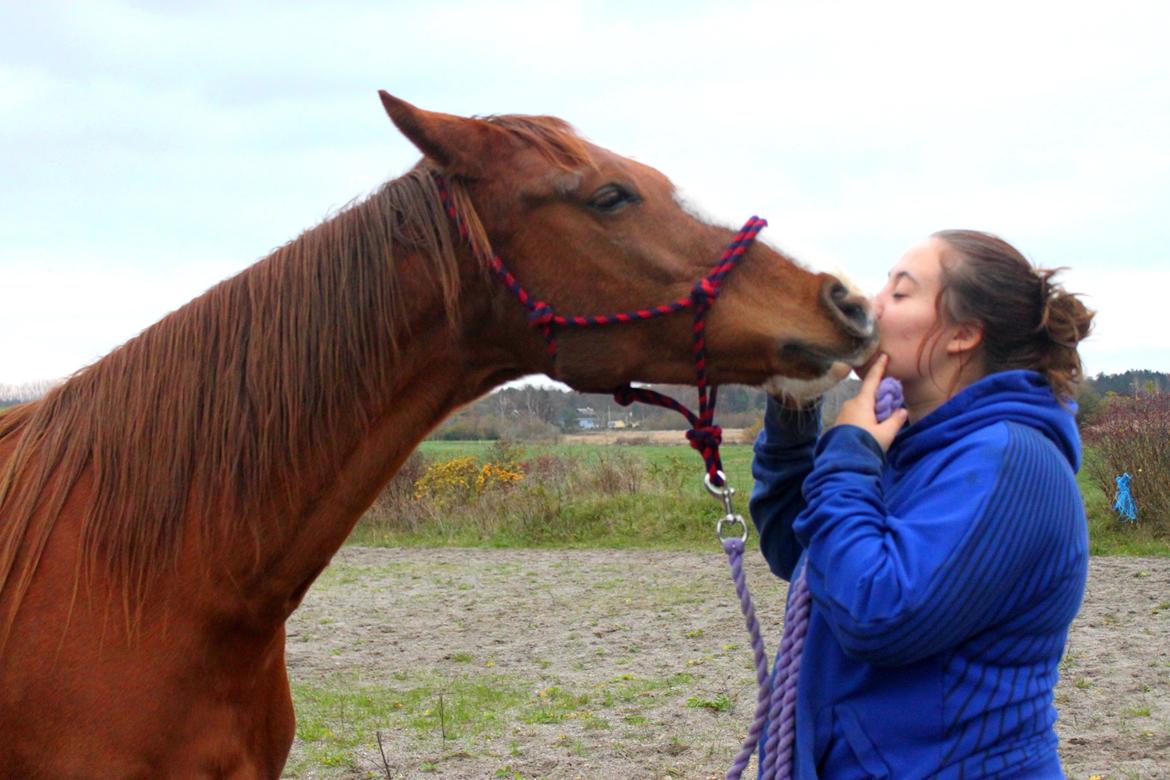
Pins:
x: 967, y: 337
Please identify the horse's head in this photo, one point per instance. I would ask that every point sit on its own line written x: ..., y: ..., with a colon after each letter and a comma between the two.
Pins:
x: 592, y: 232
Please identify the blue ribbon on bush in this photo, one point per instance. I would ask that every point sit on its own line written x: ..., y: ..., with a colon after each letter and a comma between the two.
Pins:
x: 1125, y: 504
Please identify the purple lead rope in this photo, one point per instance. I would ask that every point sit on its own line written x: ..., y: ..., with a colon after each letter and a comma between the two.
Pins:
x: 776, y: 703
x: 734, y: 550
x: 889, y: 398
x: 781, y: 734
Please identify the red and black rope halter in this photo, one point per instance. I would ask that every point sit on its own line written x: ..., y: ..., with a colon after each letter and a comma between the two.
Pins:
x: 704, y: 435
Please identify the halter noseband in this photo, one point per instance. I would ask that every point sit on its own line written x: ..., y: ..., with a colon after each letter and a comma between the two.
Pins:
x: 704, y: 435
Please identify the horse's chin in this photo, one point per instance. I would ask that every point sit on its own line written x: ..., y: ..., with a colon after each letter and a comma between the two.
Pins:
x: 865, y: 359
x: 800, y: 390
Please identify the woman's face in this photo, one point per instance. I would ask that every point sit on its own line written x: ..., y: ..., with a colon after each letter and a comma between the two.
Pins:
x: 906, y: 313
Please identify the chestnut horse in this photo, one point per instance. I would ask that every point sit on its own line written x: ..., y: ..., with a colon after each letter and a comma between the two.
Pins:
x: 163, y: 511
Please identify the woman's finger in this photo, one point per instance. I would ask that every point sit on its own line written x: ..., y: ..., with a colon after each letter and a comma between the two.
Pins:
x: 873, y: 377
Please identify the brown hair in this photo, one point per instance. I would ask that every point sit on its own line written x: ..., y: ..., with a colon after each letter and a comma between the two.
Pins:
x: 1029, y: 321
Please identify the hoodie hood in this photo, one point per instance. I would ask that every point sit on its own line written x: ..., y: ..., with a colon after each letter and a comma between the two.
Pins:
x: 1022, y: 397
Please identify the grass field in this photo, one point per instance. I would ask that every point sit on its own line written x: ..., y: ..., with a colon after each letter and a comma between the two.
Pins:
x: 574, y: 496
x: 737, y: 458
x: 625, y: 497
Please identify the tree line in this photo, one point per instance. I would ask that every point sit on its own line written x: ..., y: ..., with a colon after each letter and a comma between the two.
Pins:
x: 10, y: 395
x: 530, y: 412
x: 544, y: 412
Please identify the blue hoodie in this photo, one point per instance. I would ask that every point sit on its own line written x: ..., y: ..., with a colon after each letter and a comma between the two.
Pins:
x: 943, y: 576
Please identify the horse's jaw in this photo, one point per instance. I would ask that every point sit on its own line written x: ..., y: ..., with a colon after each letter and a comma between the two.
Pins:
x: 806, y: 389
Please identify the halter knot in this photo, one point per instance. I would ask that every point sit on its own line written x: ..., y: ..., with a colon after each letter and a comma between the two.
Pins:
x: 705, y: 437
x: 541, y: 314
x: 703, y: 291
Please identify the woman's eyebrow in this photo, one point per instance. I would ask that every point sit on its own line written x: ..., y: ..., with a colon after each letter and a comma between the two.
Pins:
x: 894, y: 277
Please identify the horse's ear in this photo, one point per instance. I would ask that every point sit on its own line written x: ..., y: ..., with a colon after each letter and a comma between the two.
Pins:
x: 456, y: 143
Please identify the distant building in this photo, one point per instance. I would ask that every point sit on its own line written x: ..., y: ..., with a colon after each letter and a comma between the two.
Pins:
x: 587, y: 418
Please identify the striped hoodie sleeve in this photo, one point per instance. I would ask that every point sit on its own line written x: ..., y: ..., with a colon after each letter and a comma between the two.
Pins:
x: 896, y: 587
x: 783, y: 458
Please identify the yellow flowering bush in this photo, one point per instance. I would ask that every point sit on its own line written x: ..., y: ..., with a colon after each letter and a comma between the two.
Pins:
x: 463, y: 477
x: 493, y: 475
x: 454, y: 478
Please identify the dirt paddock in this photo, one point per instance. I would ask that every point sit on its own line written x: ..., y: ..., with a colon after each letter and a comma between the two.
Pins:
x: 637, y: 665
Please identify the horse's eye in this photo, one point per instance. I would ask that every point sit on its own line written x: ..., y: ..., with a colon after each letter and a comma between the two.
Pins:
x: 611, y: 198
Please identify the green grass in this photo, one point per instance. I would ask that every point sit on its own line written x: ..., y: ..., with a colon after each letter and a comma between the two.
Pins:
x: 675, y: 512
x: 671, y: 510
x: 721, y: 703
x: 345, y: 714
x: 334, y: 719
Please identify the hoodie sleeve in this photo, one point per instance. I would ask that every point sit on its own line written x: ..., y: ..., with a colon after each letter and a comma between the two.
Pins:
x: 896, y: 588
x: 783, y: 458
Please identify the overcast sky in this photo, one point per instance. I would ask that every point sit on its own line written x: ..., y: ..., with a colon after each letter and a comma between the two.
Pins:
x: 148, y: 150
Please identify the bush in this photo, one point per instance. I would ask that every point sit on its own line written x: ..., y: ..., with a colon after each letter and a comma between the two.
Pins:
x: 504, y: 497
x: 1132, y: 434
x: 397, y: 499
x: 506, y: 454
x: 612, y: 474
x: 453, y: 480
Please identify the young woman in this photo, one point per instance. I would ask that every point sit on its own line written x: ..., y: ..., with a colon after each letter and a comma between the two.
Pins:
x: 945, y: 549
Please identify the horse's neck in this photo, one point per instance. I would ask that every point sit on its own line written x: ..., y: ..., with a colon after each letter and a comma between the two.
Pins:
x: 438, y: 369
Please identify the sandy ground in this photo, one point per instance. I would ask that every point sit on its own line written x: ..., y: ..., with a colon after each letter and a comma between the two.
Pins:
x: 650, y: 652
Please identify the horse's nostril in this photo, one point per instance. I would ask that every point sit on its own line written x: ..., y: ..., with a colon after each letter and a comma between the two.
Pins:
x: 856, y: 313
x: 851, y: 309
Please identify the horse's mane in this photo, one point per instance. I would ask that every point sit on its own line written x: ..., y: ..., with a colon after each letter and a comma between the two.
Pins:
x: 195, y: 420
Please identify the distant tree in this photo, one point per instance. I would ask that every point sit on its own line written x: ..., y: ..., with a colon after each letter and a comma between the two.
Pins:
x: 1131, y: 382
x: 28, y: 391
x: 1089, y: 403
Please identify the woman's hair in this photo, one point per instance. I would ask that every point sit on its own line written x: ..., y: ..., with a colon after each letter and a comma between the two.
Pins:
x: 1029, y: 321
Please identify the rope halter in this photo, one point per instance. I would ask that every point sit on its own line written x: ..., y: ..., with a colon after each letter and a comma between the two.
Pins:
x: 704, y: 436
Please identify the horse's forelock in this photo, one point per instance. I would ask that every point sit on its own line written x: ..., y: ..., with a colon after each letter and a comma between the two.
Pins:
x: 555, y: 139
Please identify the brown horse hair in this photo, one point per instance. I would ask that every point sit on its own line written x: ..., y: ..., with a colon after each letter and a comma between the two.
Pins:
x: 196, y: 419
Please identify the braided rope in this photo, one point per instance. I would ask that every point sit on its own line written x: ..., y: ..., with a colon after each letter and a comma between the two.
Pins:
x: 734, y: 549
x: 776, y: 700
x: 889, y: 398
x: 704, y: 436
x: 782, y: 704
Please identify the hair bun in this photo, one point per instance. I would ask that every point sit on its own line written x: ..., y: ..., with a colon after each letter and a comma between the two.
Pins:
x: 1064, y: 319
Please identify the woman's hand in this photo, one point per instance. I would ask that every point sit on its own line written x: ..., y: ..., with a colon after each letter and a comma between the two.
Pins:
x: 859, y: 410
